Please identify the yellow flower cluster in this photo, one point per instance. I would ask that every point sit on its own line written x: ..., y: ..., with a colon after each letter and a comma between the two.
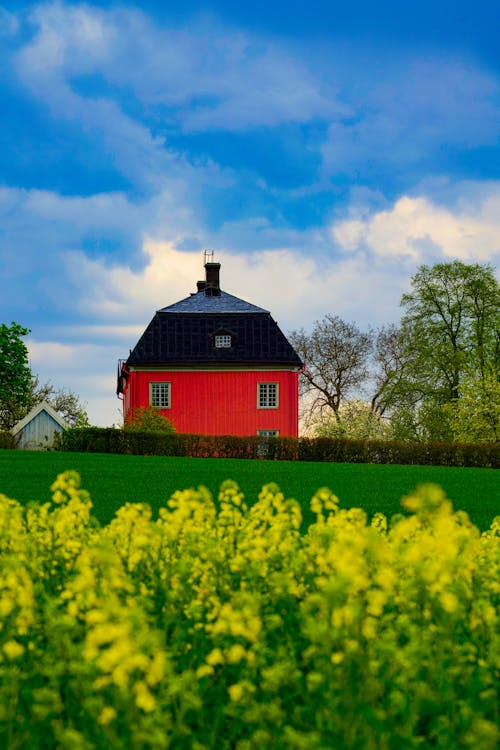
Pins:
x: 225, y: 624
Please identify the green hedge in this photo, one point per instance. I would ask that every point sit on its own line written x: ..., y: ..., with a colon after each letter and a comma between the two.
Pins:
x: 112, y: 440
x: 7, y: 440
x: 486, y: 455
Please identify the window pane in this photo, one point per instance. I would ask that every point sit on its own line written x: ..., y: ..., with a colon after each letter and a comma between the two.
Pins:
x: 268, y: 396
x: 160, y: 395
x: 223, y: 341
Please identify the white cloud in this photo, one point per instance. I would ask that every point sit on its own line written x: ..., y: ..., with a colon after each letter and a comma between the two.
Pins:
x: 115, y: 74
x: 413, y: 109
x: 52, y: 351
x: 294, y: 287
x: 100, y: 332
x: 213, y: 76
x: 39, y: 227
x: 121, y: 293
x: 128, y: 83
x: 421, y: 230
x: 75, y: 38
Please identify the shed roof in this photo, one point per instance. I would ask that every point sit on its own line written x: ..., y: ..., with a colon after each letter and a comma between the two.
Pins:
x: 35, y: 411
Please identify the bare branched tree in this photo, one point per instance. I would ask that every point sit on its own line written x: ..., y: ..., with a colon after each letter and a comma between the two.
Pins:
x: 336, y: 356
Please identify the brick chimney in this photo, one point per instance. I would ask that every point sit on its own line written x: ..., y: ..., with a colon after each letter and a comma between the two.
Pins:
x: 212, y: 275
x: 211, y: 285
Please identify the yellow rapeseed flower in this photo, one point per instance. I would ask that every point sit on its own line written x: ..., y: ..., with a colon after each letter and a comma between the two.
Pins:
x: 235, y: 654
x: 143, y: 697
x: 236, y: 692
x: 107, y: 715
x: 204, y: 671
x: 13, y: 649
x: 215, y: 657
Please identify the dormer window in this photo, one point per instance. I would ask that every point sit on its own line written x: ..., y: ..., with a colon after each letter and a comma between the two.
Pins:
x: 223, y: 338
x: 223, y: 341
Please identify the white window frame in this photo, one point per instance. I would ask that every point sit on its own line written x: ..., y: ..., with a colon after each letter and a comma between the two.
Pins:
x: 160, y: 391
x: 268, y: 433
x: 268, y: 395
x: 223, y: 341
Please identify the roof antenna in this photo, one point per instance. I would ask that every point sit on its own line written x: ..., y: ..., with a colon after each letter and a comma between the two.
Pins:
x: 208, y: 256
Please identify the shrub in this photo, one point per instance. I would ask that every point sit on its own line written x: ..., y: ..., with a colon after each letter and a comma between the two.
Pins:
x: 7, y: 440
x: 148, y: 419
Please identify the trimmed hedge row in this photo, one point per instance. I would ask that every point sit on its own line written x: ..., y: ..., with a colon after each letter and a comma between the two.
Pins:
x: 112, y: 440
x: 7, y: 440
x: 485, y: 455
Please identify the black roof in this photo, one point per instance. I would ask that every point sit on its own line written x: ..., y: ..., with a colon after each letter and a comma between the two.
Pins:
x: 184, y: 333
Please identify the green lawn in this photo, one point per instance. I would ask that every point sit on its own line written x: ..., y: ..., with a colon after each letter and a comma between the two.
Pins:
x: 115, y: 479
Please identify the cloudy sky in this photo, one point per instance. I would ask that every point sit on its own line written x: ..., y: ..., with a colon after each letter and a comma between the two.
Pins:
x: 323, y: 150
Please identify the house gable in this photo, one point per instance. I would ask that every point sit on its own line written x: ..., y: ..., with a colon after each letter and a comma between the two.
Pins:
x: 38, y: 428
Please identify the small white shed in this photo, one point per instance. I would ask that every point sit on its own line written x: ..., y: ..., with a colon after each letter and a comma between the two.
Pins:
x: 38, y: 428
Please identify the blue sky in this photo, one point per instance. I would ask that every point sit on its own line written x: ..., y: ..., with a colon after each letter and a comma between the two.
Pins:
x: 323, y: 152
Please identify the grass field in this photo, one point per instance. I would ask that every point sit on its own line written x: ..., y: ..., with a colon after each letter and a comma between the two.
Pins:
x: 115, y: 479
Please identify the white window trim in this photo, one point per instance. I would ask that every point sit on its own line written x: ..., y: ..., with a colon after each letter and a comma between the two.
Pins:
x: 259, y: 402
x: 169, y: 394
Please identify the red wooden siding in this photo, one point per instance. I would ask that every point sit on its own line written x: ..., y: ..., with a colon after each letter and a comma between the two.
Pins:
x: 215, y: 402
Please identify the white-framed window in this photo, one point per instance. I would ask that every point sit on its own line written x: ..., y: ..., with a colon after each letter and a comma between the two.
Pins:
x: 222, y: 341
x: 267, y: 395
x: 268, y: 433
x: 159, y: 395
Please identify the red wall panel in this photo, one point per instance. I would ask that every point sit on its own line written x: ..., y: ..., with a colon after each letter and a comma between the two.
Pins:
x: 221, y: 402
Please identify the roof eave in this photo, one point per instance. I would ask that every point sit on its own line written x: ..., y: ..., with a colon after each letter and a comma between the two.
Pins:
x: 211, y: 363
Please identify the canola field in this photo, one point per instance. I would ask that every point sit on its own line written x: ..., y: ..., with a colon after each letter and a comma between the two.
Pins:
x: 215, y: 625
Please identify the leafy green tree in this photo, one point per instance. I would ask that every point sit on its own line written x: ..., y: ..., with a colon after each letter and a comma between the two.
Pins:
x: 451, y: 332
x: 476, y: 415
x: 425, y: 421
x: 15, y: 374
x: 148, y: 419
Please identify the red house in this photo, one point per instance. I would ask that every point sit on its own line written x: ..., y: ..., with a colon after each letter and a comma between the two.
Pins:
x: 215, y: 365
